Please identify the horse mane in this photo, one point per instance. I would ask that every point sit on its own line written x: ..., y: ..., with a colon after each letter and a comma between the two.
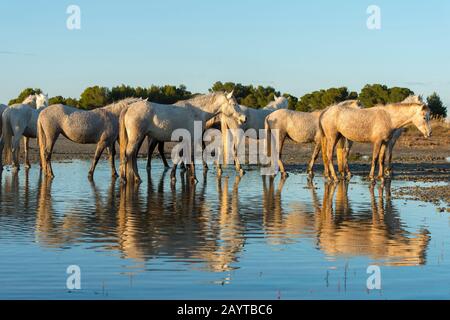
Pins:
x: 119, y: 105
x: 201, y: 99
x: 413, y: 99
x: 350, y: 103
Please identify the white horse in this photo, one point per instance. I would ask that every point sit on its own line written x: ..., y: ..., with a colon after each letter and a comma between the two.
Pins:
x: 374, y: 125
x: 255, y: 121
x: 158, y: 121
x: 20, y: 120
x: 99, y: 126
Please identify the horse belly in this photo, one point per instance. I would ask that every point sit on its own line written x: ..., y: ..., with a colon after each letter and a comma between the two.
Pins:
x: 87, y: 136
x: 302, y: 131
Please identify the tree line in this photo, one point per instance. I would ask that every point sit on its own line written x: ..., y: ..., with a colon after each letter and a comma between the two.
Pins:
x: 248, y: 95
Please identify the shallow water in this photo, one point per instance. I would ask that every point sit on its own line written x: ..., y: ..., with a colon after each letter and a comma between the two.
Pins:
x: 222, y: 239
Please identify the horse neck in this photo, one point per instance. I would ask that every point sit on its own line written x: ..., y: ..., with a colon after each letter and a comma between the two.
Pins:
x: 205, y: 115
x: 400, y: 115
x: 117, y: 107
x: 41, y: 108
x: 206, y: 103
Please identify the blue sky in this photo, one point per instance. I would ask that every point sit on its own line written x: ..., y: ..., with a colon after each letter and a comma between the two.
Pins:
x: 295, y: 46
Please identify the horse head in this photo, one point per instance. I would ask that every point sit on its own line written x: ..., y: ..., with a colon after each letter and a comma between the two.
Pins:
x: 31, y: 100
x: 230, y: 108
x: 41, y: 101
x: 278, y: 103
x: 421, y: 118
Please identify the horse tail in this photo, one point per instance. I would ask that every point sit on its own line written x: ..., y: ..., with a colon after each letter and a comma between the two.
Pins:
x: 41, y: 139
x: 323, y: 143
x: 7, y: 137
x: 123, y: 143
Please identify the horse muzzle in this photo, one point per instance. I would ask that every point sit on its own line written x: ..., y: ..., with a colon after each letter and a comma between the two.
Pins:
x: 242, y: 119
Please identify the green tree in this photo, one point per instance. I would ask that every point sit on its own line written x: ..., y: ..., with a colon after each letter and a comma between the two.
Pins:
x: 24, y: 94
x: 292, y: 101
x: 321, y: 99
x: 247, y: 95
x: 436, y: 106
x: 380, y: 94
x: 61, y: 100
x: 94, y: 97
x: 397, y: 94
x: 71, y: 102
x: 56, y: 100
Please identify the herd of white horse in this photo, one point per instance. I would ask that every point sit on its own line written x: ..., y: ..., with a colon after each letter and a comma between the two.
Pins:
x: 131, y: 120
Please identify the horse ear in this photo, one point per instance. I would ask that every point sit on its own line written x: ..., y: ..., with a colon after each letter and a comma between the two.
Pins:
x: 230, y: 95
x: 275, y: 97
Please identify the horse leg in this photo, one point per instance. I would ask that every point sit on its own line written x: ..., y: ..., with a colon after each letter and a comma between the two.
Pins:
x: 112, y: 156
x: 134, y: 156
x: 192, y: 165
x: 15, y: 151
x: 173, y: 173
x: 48, y: 150
x: 348, y: 146
x: 98, y: 152
x: 280, y: 163
x: 314, y: 156
x: 237, y: 163
x: 152, y: 143
x: 340, y: 150
x: 390, y: 148
x: 26, y: 143
x: 331, y: 145
x: 161, y: 153
x: 323, y: 149
x: 381, y: 161
x: 205, y: 165
x: 375, y: 153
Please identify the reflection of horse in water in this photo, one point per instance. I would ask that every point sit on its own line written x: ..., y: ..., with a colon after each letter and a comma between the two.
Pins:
x: 180, y: 224
x: 376, y: 233
x: 166, y: 223
x: 340, y: 230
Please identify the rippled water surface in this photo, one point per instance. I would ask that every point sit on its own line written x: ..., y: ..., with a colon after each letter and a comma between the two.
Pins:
x: 222, y: 239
